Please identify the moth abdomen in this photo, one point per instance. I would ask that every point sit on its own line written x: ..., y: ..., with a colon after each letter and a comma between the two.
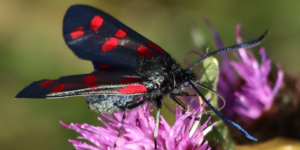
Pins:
x: 108, y: 104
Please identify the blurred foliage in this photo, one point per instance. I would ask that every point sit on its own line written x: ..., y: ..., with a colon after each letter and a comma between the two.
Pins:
x: 277, y: 143
x: 32, y: 48
x: 219, y: 137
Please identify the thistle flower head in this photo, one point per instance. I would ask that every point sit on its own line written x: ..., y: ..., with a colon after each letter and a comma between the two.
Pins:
x: 139, y: 129
x: 244, y: 82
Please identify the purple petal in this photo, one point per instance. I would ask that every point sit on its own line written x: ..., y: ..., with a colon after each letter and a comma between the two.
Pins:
x: 279, y: 79
x: 140, y: 135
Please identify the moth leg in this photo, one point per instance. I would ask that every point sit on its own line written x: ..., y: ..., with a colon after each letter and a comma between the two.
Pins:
x: 121, y: 129
x: 200, y: 99
x: 158, y: 105
x: 183, y: 93
x: 135, y: 105
x: 129, y: 107
x: 180, y: 103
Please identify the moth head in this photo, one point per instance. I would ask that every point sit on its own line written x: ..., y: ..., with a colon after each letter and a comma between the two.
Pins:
x: 187, y: 75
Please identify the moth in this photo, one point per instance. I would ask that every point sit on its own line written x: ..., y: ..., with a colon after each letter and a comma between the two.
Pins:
x: 130, y: 70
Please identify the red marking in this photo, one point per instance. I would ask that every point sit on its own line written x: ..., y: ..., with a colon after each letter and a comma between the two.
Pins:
x: 102, y: 65
x: 110, y: 44
x: 121, y: 33
x: 90, y: 79
x: 58, y: 88
x: 102, y: 72
x: 77, y: 33
x: 46, y: 83
x: 156, y: 47
x: 130, y: 80
x: 131, y: 89
x: 143, y: 51
x: 96, y: 23
x: 93, y: 86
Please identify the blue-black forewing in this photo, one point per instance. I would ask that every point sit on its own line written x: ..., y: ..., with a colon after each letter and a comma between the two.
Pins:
x: 96, y: 83
x: 94, y: 35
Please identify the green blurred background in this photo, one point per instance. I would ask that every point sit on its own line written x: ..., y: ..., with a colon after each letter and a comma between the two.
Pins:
x: 32, y: 48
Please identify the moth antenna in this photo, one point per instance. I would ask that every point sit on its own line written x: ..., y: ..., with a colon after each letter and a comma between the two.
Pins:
x: 231, y: 123
x: 234, y: 47
x: 206, y: 88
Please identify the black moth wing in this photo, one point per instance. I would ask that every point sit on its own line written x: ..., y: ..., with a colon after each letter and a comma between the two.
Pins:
x: 94, y: 35
x: 96, y: 83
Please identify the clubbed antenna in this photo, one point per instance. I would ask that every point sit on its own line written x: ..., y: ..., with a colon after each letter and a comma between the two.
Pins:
x: 231, y: 123
x: 235, y: 47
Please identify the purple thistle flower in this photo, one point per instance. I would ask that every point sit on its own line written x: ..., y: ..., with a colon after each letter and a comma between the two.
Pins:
x: 244, y: 82
x: 139, y: 129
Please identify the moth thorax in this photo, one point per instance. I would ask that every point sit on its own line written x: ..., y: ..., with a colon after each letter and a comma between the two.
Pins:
x: 160, y: 72
x: 157, y: 78
x: 185, y: 77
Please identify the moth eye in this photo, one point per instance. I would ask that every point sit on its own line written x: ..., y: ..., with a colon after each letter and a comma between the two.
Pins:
x: 186, y: 83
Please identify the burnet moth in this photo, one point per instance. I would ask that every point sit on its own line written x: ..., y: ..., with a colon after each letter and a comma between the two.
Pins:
x: 129, y: 69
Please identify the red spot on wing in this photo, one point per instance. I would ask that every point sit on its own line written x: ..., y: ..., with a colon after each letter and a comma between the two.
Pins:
x: 58, y: 88
x: 110, y: 44
x: 102, y: 65
x: 156, y: 47
x: 96, y: 23
x: 93, y: 86
x: 46, y: 83
x: 130, y: 80
x: 121, y: 33
x: 90, y: 79
x: 131, y: 89
x: 143, y: 51
x: 77, y: 33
